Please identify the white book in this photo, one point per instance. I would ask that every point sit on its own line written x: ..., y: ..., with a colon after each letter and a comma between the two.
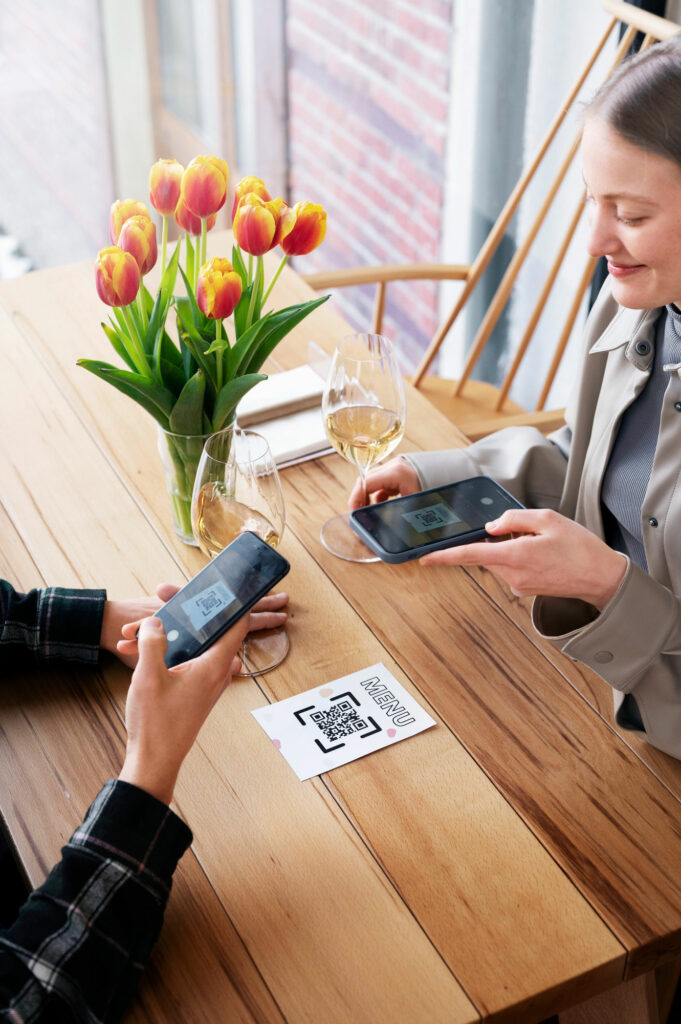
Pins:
x: 287, y: 410
x: 282, y: 393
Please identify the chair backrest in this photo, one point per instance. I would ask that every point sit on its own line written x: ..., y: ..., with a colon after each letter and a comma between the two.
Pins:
x: 654, y: 28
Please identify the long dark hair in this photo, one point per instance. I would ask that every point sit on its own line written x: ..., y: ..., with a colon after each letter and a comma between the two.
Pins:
x: 641, y: 100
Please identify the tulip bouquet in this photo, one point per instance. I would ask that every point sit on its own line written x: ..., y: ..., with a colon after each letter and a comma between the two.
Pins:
x: 192, y: 386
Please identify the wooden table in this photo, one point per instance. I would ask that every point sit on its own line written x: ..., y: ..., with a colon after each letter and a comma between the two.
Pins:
x: 520, y: 857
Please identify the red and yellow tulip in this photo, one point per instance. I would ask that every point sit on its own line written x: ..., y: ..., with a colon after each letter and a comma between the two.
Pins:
x: 204, y: 185
x: 117, y: 276
x: 303, y: 227
x: 191, y: 223
x: 245, y: 187
x: 138, y: 237
x: 256, y: 224
x: 219, y: 289
x: 165, y: 180
x: 121, y: 211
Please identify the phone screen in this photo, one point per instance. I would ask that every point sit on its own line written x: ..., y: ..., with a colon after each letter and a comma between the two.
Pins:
x: 436, y: 515
x: 219, y: 594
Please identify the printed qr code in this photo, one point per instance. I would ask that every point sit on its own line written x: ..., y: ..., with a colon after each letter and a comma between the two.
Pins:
x: 339, y: 721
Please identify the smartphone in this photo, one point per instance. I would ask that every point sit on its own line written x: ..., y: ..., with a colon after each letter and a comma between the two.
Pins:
x: 442, y: 517
x: 219, y: 595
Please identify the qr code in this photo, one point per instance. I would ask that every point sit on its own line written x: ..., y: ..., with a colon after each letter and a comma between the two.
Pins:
x: 339, y: 721
x: 208, y: 602
x: 429, y: 518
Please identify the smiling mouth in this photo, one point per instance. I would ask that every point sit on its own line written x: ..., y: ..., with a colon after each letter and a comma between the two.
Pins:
x: 624, y: 270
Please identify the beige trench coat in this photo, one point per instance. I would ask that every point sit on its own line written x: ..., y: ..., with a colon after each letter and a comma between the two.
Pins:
x: 635, y: 642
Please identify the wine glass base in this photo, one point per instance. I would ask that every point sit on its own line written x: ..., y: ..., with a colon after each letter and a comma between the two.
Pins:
x: 263, y: 650
x: 339, y: 538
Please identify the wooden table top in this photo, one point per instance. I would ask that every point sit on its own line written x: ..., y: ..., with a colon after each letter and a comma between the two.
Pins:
x: 518, y: 858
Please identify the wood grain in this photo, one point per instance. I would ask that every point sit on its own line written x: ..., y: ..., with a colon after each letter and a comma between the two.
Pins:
x: 63, y: 468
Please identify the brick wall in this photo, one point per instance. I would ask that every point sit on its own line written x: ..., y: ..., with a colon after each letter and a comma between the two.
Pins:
x: 368, y: 92
x: 55, y: 161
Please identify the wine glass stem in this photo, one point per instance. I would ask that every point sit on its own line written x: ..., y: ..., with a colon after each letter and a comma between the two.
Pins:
x: 363, y: 482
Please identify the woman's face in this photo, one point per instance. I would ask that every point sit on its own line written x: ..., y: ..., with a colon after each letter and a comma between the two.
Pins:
x: 634, y: 199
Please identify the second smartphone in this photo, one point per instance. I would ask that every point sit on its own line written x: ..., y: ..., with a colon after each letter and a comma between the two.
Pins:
x: 219, y: 595
x: 442, y: 517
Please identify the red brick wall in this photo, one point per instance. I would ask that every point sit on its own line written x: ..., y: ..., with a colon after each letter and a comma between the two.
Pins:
x: 368, y: 90
x: 55, y: 159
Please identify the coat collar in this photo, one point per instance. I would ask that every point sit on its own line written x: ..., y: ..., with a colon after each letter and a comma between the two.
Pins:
x: 626, y: 330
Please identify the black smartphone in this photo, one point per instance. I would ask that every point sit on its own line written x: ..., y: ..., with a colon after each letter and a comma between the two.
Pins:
x: 442, y: 517
x: 219, y: 595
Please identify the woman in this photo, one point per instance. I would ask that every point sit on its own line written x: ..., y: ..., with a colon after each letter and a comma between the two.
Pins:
x: 600, y: 542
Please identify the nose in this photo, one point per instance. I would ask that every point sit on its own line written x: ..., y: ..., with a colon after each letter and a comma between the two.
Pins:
x: 603, y: 238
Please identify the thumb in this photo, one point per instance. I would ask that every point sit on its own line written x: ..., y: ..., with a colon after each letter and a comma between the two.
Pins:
x: 152, y: 644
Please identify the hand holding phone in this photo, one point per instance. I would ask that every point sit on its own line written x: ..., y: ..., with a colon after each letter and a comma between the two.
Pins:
x: 219, y: 595
x: 413, y: 525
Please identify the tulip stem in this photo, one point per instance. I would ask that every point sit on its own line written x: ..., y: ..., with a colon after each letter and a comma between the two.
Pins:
x: 204, y: 233
x: 164, y: 243
x: 250, y: 267
x: 137, y: 353
x: 142, y: 310
x: 256, y: 286
x: 277, y: 272
x: 218, y: 356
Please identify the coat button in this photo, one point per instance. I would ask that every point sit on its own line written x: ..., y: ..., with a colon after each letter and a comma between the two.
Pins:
x: 603, y: 657
x: 677, y: 406
x: 652, y: 521
x: 642, y: 348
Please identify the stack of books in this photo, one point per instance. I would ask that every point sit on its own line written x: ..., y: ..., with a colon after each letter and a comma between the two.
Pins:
x: 287, y: 410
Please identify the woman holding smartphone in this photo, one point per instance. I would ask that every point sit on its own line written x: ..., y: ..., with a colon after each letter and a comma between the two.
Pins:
x: 599, y: 545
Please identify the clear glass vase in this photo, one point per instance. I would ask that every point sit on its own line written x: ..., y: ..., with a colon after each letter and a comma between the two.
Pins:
x: 180, y: 455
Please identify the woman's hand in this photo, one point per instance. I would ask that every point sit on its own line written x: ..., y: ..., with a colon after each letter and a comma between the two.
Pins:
x: 546, y: 554
x: 166, y: 708
x: 117, y: 613
x: 122, y: 619
x: 397, y: 477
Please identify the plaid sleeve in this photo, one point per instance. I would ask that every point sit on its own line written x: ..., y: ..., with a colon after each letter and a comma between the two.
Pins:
x: 53, y: 624
x: 78, y: 947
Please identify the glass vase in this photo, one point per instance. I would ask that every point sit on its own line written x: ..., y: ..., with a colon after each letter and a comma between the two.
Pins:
x: 180, y: 455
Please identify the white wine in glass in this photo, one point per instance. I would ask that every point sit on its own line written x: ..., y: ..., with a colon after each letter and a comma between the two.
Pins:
x: 237, y: 488
x: 364, y: 408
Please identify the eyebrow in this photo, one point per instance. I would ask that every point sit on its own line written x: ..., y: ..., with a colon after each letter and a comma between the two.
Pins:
x: 631, y: 196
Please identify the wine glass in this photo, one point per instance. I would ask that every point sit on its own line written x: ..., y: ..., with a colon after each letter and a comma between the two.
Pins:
x: 237, y: 488
x: 364, y: 408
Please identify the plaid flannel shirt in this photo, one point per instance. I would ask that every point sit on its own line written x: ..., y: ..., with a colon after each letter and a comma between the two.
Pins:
x: 53, y: 624
x: 81, y: 940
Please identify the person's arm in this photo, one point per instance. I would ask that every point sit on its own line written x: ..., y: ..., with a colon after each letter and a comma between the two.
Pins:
x: 80, y: 943
x: 634, y: 644
x: 593, y: 604
x: 49, y: 625
x: 532, y: 467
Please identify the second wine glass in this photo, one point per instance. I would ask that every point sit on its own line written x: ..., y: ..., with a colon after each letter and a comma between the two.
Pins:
x: 364, y: 408
x: 237, y: 488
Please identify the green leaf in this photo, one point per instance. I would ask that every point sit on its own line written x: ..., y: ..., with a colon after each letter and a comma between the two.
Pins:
x: 187, y: 414
x: 240, y: 266
x: 156, y: 400
x: 240, y: 354
x: 119, y: 345
x: 198, y: 318
x: 230, y: 396
x: 280, y: 324
x: 195, y: 345
x: 164, y: 297
x: 174, y: 377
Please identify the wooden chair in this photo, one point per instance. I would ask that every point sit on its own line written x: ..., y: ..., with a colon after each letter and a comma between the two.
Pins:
x: 478, y: 407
